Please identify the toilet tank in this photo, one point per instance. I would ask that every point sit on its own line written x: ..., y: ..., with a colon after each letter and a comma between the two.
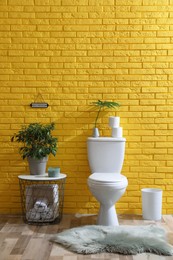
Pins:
x: 106, y: 154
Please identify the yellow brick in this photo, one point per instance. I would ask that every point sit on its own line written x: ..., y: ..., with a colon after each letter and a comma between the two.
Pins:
x: 100, y: 53
x: 121, y: 205
x: 164, y: 46
x: 23, y: 27
x: 142, y: 46
x: 154, y: 138
x: 74, y: 53
x: 143, y: 169
x: 102, y: 77
x: 132, y: 188
x: 3, y: 15
x: 142, y: 71
x: 75, y: 15
x: 62, y: 9
x: 154, y: 90
x: 131, y: 40
x: 127, y: 14
x: 101, y: 2
x: 156, y: 2
x: 156, y: 27
x: 126, y: 53
x: 154, y: 52
x: 142, y: 21
x: 115, y: 21
x: 4, y: 27
x: 35, y: 9
x: 90, y: 8
x: 36, y: 59
x: 21, y: 2
x: 74, y: 2
x: 19, y: 15
x: 3, y: 2
x: 163, y: 108
x: 47, y: 15
x: 129, y: 27
x: 149, y: 8
x: 158, y: 40
x: 47, y: 2
x: 49, y: 28
x: 88, y: 46
x: 156, y: 65
x: 21, y: 53
x: 129, y: 2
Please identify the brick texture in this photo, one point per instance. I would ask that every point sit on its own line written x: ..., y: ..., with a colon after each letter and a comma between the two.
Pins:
x: 74, y: 52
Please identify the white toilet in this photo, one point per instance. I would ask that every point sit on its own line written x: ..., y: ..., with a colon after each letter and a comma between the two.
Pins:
x: 106, y: 183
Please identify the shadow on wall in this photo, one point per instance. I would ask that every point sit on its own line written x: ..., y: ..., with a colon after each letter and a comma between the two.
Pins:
x: 72, y: 130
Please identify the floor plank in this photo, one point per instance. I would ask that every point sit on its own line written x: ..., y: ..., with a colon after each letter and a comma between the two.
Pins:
x: 19, y: 241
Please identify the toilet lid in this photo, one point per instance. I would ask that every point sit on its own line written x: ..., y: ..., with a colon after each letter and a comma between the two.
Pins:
x: 106, y: 177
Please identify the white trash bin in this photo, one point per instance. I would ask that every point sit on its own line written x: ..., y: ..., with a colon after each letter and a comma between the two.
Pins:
x: 151, y: 203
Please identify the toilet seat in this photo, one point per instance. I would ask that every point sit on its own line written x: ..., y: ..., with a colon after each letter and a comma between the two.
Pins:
x: 108, y: 179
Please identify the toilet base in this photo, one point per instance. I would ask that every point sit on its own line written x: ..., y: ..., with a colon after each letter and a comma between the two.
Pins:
x: 107, y: 216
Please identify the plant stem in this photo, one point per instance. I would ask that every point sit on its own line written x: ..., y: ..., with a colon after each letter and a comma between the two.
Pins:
x: 97, y: 116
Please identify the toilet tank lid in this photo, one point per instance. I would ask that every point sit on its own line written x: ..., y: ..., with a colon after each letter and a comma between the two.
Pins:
x: 106, y: 177
x: 107, y: 139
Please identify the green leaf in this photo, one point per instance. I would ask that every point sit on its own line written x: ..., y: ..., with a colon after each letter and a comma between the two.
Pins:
x: 104, y: 105
x: 37, y: 140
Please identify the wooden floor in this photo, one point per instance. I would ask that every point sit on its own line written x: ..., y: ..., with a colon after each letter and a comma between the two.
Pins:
x: 19, y: 241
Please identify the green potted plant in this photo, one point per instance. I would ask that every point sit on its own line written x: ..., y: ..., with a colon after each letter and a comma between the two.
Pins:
x: 38, y: 143
x: 101, y: 105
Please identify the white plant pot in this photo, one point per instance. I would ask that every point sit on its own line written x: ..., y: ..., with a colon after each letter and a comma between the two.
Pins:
x: 37, y: 166
x: 96, y: 132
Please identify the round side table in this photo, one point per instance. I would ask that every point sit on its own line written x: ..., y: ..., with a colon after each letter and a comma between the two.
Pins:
x: 42, y: 198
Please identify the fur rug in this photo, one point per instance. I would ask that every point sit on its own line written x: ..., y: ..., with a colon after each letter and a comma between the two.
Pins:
x: 126, y: 240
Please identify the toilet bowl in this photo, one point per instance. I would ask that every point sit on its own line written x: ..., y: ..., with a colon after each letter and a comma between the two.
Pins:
x: 106, y: 183
x: 107, y: 191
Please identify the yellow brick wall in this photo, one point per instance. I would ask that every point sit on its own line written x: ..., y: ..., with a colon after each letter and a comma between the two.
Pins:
x: 74, y: 52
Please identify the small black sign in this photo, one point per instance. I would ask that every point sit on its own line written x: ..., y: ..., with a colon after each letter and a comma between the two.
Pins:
x: 39, y: 105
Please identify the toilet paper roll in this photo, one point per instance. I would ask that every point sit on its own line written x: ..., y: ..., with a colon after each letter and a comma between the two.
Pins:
x: 117, y: 132
x: 114, y: 121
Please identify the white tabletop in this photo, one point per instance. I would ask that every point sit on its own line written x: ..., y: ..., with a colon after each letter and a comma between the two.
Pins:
x: 42, y: 177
